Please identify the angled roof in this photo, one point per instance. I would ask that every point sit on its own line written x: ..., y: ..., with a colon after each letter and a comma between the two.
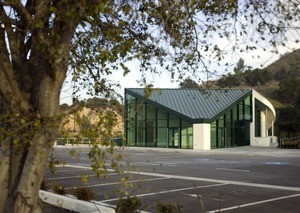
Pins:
x: 194, y: 105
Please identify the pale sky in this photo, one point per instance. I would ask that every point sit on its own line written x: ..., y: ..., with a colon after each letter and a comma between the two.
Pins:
x: 255, y: 59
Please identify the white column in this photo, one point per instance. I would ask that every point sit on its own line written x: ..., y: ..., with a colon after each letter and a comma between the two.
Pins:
x: 201, y: 136
x: 262, y: 124
x: 272, y: 128
x: 267, y: 127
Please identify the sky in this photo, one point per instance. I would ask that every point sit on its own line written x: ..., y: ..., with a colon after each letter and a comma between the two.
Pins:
x: 255, y: 59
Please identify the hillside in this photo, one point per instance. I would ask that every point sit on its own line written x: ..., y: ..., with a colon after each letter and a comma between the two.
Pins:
x: 98, y: 118
x: 286, y: 65
x: 279, y: 83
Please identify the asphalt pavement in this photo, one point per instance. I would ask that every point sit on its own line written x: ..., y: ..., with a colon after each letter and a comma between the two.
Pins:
x: 242, y: 179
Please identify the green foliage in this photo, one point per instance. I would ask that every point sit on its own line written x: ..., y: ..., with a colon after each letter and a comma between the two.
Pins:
x: 168, y: 207
x: 244, y: 76
x: 102, y: 103
x: 84, y: 193
x: 257, y: 77
x: 240, y: 67
x: 229, y: 81
x: 188, y: 83
x: 59, y: 189
x: 44, y: 185
x: 129, y: 205
x: 43, y: 42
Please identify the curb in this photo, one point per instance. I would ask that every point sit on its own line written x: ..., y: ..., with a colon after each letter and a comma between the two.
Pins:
x: 73, y: 204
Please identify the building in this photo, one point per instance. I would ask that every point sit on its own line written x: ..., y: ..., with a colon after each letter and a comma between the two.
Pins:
x: 198, y: 118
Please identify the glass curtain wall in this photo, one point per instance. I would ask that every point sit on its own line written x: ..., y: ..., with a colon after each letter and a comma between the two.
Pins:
x: 130, y: 124
x: 233, y: 127
x: 149, y: 126
x: 186, y: 135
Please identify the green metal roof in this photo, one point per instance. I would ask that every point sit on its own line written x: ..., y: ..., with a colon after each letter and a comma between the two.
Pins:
x: 194, y: 105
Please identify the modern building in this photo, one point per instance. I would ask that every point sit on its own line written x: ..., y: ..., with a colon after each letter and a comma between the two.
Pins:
x: 198, y: 118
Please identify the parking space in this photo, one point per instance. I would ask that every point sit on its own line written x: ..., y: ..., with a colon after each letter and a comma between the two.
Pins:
x: 200, y: 183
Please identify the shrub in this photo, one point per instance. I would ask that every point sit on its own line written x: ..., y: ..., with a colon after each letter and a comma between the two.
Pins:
x: 44, y: 185
x: 129, y: 205
x: 84, y: 193
x: 59, y: 189
x: 168, y: 207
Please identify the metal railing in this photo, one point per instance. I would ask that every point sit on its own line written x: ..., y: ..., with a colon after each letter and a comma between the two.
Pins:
x: 291, y: 142
x: 100, y: 141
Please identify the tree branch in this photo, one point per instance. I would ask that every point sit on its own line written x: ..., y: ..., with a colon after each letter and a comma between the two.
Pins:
x: 22, y: 11
x: 71, y: 109
x: 7, y: 22
x: 8, y: 84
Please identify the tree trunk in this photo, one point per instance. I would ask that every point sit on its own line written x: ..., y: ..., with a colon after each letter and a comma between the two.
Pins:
x: 25, y: 199
x: 4, y: 168
x: 40, y: 147
x: 23, y: 160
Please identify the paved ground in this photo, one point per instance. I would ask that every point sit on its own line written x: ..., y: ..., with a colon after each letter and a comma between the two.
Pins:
x: 247, y: 179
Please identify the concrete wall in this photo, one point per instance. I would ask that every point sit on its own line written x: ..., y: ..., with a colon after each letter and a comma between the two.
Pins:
x: 267, y: 120
x: 265, y: 141
x: 201, y: 136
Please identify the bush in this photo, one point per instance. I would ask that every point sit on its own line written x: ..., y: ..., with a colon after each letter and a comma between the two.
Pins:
x: 44, y: 185
x: 168, y: 207
x: 129, y: 205
x: 84, y: 193
x: 59, y: 189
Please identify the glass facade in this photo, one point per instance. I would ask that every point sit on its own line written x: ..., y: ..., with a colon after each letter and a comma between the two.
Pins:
x: 149, y: 126
x: 233, y: 128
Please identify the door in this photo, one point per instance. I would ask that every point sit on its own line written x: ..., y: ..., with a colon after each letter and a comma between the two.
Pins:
x: 221, y: 137
x: 173, y: 141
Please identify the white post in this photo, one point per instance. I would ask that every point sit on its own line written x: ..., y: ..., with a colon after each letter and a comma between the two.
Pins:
x: 262, y: 124
x: 201, y: 136
x: 266, y: 128
x: 272, y: 128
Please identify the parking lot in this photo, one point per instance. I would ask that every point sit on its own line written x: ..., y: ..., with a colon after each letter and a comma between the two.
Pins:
x: 243, y: 179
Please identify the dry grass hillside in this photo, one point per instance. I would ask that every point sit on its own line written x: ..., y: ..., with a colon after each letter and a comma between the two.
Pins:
x: 98, y: 119
x: 287, y: 63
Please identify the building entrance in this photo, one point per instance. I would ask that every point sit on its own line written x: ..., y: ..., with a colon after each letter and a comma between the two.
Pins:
x: 173, y: 141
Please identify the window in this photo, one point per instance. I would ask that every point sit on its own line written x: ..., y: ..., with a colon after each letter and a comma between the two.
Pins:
x: 213, y: 135
x: 162, y: 137
x: 186, y: 135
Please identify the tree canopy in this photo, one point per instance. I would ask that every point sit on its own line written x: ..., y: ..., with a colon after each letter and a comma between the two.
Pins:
x: 43, y: 41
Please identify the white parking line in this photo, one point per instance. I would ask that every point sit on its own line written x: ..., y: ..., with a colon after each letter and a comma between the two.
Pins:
x: 167, y: 191
x: 77, y: 176
x: 69, y: 177
x: 66, y: 170
x: 117, y: 183
x: 254, y: 203
x: 154, y: 164
x: 233, y: 170
x: 211, y: 180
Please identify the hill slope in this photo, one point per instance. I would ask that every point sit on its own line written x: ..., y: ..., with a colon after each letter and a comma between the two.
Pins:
x: 278, y: 82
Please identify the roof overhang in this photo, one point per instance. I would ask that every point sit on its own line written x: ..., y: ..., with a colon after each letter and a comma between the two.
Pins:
x: 263, y: 103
